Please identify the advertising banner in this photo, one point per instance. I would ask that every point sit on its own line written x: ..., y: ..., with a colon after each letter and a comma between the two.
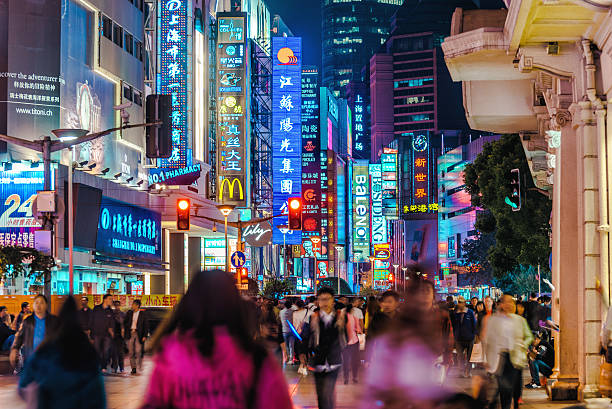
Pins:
x: 17, y: 193
x: 129, y: 231
x: 389, y: 183
x: 232, y: 136
x: 361, y: 211
x: 286, y: 130
x: 379, y: 223
x: 423, y: 176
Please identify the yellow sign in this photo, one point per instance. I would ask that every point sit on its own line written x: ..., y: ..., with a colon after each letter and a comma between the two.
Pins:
x: 230, y: 185
x: 151, y: 300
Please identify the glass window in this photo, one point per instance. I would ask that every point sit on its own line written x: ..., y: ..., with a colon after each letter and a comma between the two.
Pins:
x: 107, y: 27
x: 138, y: 50
x: 118, y: 34
x: 138, y: 97
x: 128, y: 92
x: 129, y: 43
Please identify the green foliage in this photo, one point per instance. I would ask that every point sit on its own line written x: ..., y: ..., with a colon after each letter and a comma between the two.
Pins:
x: 367, y: 291
x: 476, y: 253
x: 277, y: 288
x: 522, y: 281
x: 18, y: 261
x: 521, y: 238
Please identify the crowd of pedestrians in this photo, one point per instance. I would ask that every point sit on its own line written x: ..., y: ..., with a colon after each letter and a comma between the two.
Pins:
x: 218, y: 349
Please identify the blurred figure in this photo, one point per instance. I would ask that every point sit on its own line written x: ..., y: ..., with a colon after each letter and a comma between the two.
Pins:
x: 450, y: 303
x: 25, y: 311
x: 328, y: 337
x: 371, y: 309
x: 5, y: 317
x: 358, y: 313
x: 286, y: 317
x: 136, y: 329
x: 207, y: 356
x: 464, y: 329
x: 404, y: 372
x: 350, y: 354
x: 33, y: 330
x: 64, y: 372
x: 85, y: 315
x: 270, y: 330
x: 102, y: 324
x: 7, y: 335
x: 473, y: 302
x: 520, y: 309
x: 507, y: 339
x: 541, y: 361
x: 389, y: 305
x: 118, y: 345
x: 299, y: 322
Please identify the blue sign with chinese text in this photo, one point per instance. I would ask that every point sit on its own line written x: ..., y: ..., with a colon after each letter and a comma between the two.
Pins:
x: 128, y: 231
x: 286, y: 130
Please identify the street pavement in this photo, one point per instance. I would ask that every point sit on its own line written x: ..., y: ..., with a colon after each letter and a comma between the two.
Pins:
x: 126, y: 391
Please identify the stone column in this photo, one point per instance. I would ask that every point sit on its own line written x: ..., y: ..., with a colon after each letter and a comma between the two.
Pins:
x: 177, y: 263
x: 195, y: 257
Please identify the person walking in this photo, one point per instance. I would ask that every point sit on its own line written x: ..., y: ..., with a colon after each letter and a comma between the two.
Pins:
x: 33, y: 330
x: 350, y: 354
x: 464, y: 329
x: 206, y: 355
x: 136, y: 329
x: 389, y: 305
x: 25, y: 311
x: 286, y: 318
x: 327, y: 340
x: 506, y: 341
x: 64, y: 372
x: 118, y: 343
x: 102, y: 324
x: 85, y: 315
x: 299, y: 322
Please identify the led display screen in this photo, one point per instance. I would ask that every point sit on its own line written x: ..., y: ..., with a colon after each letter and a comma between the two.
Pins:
x: 379, y: 223
x: 361, y: 211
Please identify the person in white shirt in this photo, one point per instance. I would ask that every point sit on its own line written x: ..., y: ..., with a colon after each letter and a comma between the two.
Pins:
x: 357, y: 312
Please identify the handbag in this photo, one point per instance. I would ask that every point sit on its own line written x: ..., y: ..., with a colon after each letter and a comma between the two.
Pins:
x: 362, y: 341
x: 477, y: 356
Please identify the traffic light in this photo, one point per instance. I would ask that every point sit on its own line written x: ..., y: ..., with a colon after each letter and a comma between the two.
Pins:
x: 159, y: 137
x: 514, y: 186
x: 295, y: 213
x: 390, y: 278
x: 183, y: 206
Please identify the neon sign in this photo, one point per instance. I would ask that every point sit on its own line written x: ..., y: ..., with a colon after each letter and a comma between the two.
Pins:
x: 379, y: 223
x: 286, y: 130
x: 361, y: 212
x: 359, y: 138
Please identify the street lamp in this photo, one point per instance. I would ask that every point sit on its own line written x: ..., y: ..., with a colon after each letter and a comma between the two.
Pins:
x: 225, y: 210
x: 395, y: 266
x: 69, y: 135
x: 404, y: 269
x: 284, y: 229
x: 338, y: 250
x: 372, y: 258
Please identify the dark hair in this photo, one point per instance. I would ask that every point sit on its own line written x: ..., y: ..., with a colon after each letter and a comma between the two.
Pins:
x: 2, y: 308
x: 137, y: 301
x: 106, y: 296
x: 533, y: 295
x: 75, y: 351
x: 24, y: 304
x: 300, y: 304
x: 39, y: 296
x: 311, y: 299
x: 212, y: 300
x: 390, y: 293
x: 325, y: 290
x: 449, y: 298
x: 288, y: 304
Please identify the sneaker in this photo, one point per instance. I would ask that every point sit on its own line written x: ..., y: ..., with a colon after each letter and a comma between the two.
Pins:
x: 133, y: 371
x: 532, y: 386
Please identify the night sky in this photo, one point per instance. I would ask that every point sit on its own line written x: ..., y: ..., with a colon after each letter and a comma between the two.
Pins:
x: 303, y: 17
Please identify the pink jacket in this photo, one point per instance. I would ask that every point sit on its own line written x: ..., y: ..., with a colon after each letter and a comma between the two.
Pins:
x: 184, y: 379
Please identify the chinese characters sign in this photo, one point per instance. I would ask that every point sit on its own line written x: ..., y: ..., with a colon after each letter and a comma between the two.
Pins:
x: 311, y: 190
x: 128, y: 230
x: 359, y: 140
x: 173, y: 76
x: 232, y: 112
x: 420, y: 154
x: 286, y: 129
x: 379, y: 223
x: 361, y: 212
x: 389, y: 183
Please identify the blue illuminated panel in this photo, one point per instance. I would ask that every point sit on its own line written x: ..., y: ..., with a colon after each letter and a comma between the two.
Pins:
x: 286, y: 129
x: 173, y: 63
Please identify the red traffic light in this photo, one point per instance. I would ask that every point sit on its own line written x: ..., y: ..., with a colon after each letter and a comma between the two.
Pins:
x: 183, y: 206
x: 295, y: 213
x: 244, y: 272
x: 390, y: 278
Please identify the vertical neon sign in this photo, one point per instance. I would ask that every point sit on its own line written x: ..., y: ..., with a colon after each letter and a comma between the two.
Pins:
x: 173, y: 78
x: 286, y: 130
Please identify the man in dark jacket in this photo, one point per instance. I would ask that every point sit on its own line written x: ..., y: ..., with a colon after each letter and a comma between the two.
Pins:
x: 382, y: 320
x: 541, y: 360
x: 118, y: 344
x: 533, y: 312
x: 136, y: 329
x: 25, y: 311
x: 102, y: 325
x: 85, y: 315
x: 33, y: 330
x: 327, y: 340
x: 464, y: 329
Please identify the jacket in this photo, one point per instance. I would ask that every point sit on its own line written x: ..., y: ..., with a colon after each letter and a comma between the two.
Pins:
x: 464, y: 325
x: 517, y: 328
x: 57, y: 387
x: 101, y: 320
x: 327, y: 341
x: 85, y: 318
x: 183, y: 379
x: 25, y: 336
x: 142, y: 326
x: 533, y: 314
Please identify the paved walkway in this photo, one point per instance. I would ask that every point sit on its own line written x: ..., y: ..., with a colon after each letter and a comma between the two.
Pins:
x: 125, y: 392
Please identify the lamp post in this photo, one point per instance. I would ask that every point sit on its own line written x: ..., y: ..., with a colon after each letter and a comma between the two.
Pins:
x: 338, y: 250
x: 404, y: 269
x: 395, y: 266
x: 225, y: 211
x: 372, y: 258
x: 284, y: 229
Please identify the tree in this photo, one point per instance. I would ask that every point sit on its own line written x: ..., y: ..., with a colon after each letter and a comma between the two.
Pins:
x: 277, y: 288
x: 24, y: 261
x: 521, y: 238
x: 476, y: 253
x: 522, y: 280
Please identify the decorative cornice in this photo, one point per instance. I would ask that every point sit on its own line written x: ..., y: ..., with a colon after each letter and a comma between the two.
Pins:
x: 486, y: 38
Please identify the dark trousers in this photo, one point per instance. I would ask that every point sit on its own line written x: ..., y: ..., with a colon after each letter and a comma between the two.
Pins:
x: 118, y: 353
x: 351, y: 360
x: 325, y: 383
x: 537, y: 367
x: 508, y: 382
x: 464, y: 353
x: 102, y: 344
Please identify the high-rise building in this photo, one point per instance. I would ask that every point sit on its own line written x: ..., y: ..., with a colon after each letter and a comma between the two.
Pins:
x: 353, y: 30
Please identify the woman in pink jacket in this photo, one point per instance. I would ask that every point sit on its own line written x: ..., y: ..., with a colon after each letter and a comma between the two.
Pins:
x: 207, y: 356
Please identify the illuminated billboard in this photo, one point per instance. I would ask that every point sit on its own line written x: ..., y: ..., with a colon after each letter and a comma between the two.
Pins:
x: 361, y: 211
x: 232, y: 111
x: 379, y: 223
x: 286, y: 130
x: 389, y: 183
x: 174, y: 63
x: 423, y: 176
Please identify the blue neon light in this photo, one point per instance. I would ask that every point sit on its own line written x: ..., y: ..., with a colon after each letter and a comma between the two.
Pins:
x: 286, y: 130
